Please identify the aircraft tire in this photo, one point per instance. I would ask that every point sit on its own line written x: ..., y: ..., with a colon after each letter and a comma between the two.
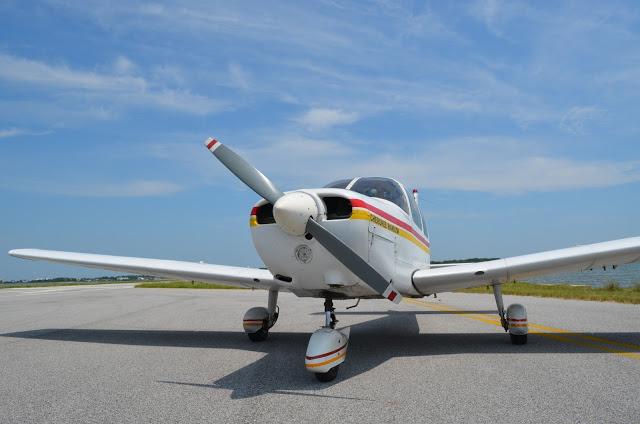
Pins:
x: 518, y: 339
x: 329, y: 375
x: 259, y: 336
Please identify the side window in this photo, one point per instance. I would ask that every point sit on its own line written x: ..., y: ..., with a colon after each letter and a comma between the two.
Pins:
x: 415, y: 211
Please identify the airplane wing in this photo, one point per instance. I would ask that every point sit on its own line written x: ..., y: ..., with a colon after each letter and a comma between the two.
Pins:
x: 578, y: 258
x: 234, y: 276
x: 448, y: 264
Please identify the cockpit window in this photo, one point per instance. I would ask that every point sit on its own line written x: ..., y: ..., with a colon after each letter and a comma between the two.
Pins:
x: 338, y: 184
x: 382, y: 188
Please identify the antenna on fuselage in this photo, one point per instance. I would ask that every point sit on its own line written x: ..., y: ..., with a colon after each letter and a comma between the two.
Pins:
x: 415, y: 195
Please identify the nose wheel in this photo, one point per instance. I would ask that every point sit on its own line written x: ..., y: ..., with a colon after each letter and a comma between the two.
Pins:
x: 327, y: 347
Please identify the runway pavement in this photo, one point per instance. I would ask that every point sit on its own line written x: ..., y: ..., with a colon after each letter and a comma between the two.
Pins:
x: 120, y: 354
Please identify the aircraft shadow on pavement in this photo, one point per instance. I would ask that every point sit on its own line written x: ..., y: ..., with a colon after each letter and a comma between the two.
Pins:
x: 494, y: 311
x: 281, y: 369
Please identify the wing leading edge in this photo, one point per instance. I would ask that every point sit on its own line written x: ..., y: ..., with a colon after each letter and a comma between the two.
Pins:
x: 616, y: 252
x: 235, y: 276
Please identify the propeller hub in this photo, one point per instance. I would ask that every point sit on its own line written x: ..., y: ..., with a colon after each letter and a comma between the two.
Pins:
x: 293, y: 210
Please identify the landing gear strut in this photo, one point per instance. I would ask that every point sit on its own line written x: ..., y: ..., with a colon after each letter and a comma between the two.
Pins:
x: 257, y: 321
x: 327, y: 347
x: 329, y: 314
x: 514, y: 320
x: 497, y: 293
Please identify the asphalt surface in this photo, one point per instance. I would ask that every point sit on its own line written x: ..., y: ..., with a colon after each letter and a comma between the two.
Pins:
x: 120, y: 354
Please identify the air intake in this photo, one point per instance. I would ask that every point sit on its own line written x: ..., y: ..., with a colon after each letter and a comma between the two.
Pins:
x: 264, y: 214
x: 337, y: 207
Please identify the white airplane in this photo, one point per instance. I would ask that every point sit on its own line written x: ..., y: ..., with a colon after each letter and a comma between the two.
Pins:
x: 359, y: 238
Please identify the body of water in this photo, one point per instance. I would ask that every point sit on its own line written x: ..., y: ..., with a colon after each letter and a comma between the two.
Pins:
x: 625, y: 275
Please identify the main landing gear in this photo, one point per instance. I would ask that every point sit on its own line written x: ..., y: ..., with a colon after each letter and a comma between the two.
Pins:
x: 514, y: 320
x: 327, y: 347
x: 257, y: 321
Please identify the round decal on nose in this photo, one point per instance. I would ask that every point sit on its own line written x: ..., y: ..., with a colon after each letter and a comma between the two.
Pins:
x: 304, y: 254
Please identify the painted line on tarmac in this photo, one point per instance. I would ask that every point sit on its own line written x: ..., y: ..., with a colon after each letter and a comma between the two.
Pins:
x: 584, y: 340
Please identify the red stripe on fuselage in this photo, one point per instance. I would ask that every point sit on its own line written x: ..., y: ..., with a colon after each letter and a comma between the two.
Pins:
x: 357, y: 203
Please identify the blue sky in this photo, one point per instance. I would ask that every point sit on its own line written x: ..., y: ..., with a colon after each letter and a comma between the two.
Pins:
x: 518, y: 122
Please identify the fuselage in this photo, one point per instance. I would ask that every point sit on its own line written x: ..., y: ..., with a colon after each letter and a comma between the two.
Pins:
x: 387, y: 234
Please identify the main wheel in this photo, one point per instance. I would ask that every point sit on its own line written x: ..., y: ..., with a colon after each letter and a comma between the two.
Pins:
x: 518, y: 339
x: 329, y: 375
x: 259, y: 336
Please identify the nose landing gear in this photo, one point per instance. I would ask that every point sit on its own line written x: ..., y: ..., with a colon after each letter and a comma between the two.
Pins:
x: 327, y: 347
x: 329, y: 314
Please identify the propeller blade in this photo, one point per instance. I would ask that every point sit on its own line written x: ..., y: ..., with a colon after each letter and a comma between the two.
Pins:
x: 352, y: 261
x: 243, y: 170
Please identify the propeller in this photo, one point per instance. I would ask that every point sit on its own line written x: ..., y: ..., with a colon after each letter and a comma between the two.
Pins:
x: 297, y: 214
x: 243, y: 170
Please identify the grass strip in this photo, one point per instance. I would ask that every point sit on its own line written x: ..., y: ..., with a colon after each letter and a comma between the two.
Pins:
x: 611, y: 292
x: 183, y: 285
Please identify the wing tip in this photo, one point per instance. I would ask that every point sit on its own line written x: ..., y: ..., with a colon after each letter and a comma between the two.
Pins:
x: 15, y: 252
x: 21, y: 253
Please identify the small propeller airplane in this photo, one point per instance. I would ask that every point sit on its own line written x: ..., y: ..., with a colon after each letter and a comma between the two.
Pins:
x: 358, y: 238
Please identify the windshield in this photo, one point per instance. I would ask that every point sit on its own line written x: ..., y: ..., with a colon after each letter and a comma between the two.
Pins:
x: 338, y: 184
x: 382, y: 188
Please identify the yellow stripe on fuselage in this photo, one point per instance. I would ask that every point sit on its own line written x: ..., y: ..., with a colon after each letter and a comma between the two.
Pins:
x: 253, y: 221
x: 368, y: 216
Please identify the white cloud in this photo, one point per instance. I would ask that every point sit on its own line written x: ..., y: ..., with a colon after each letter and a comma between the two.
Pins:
x: 498, y: 165
x: 489, y: 12
x: 139, y: 188
x: 324, y: 118
x: 152, y: 9
x: 180, y: 100
x: 11, y: 132
x: 123, y: 65
x: 15, y: 132
x: 31, y: 71
x: 490, y: 164
x: 119, y: 88
x: 239, y: 77
x: 144, y: 188
x: 577, y: 118
x: 421, y: 72
x: 469, y: 90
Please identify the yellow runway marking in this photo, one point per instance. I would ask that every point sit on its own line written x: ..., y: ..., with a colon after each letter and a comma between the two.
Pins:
x: 584, y: 340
